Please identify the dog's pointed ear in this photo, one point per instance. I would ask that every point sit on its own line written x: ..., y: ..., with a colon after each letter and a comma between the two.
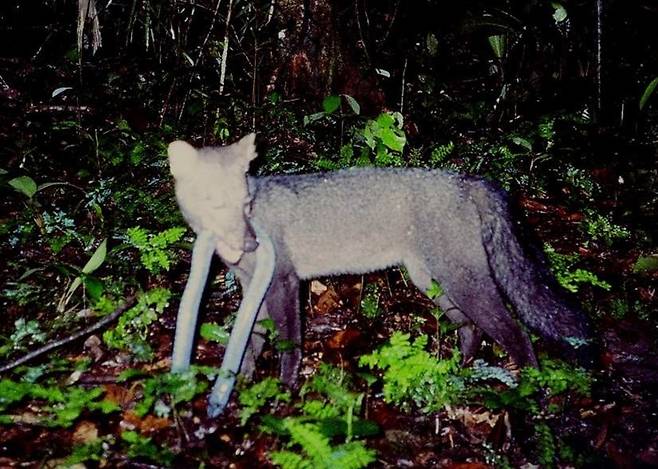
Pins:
x: 182, y: 158
x: 247, y: 148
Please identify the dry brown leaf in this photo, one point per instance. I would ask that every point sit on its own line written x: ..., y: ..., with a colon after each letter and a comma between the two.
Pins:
x: 85, y: 432
x: 468, y: 465
x: 93, y: 346
x: 343, y: 339
x: 146, y: 425
x: 152, y: 424
x: 327, y: 302
x: 471, y: 418
x: 120, y: 395
x: 164, y: 364
x: 317, y: 287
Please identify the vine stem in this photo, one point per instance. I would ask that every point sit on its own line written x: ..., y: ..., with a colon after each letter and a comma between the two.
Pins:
x: 70, y: 338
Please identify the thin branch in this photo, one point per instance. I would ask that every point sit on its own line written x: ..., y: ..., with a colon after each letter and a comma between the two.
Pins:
x: 58, y: 343
x: 598, y: 61
x: 361, y: 37
x: 390, y: 23
x: 403, y: 85
x: 210, y: 28
x: 222, y: 72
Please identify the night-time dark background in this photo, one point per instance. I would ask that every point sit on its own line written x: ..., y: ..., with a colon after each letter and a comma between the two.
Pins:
x: 554, y: 101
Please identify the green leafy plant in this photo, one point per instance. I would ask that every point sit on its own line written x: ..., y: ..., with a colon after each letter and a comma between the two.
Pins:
x: 498, y: 45
x: 25, y: 185
x: 441, y: 153
x: 21, y: 291
x: 550, y: 382
x: 330, y: 105
x: 648, y: 92
x: 328, y: 414
x: 133, y: 326
x: 92, y: 285
x: 334, y: 404
x: 481, y: 371
x: 154, y: 248
x: 139, y: 446
x: 646, y: 264
x: 601, y: 228
x: 318, y: 450
x: 63, y: 406
x: 545, y: 442
x: 435, y: 290
x: 554, y: 378
x: 370, y: 301
x: 378, y: 141
x: 412, y: 376
x: 384, y: 140
x: 253, y: 398
x: 91, y: 451
x: 179, y: 387
x: 580, y: 180
x: 26, y: 334
x: 61, y: 230
x: 212, y: 331
x: 567, y: 275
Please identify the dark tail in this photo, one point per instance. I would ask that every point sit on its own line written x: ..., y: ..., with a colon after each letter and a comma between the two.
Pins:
x: 523, y: 276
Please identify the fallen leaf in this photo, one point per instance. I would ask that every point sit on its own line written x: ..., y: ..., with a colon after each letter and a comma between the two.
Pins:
x: 146, y: 425
x: 119, y: 395
x: 327, y: 302
x: 93, y: 346
x: 343, y: 339
x: 85, y: 432
x: 151, y: 424
x: 317, y: 287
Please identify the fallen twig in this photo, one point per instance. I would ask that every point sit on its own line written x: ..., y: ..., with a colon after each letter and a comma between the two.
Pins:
x: 58, y: 343
x: 44, y: 108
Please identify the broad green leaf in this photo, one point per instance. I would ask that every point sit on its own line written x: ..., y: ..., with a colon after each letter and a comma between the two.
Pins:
x: 435, y: 290
x: 560, y: 13
x: 331, y: 104
x: 369, y: 137
x: 94, y: 287
x: 392, y: 140
x: 29, y: 272
x: 97, y: 259
x: 74, y: 286
x: 92, y: 264
x: 385, y: 120
x: 59, y: 91
x: 25, y: 185
x: 497, y: 44
x: 214, y: 332
x: 646, y: 264
x: 313, y: 117
x: 353, y: 104
x: 648, y: 91
x: 522, y: 142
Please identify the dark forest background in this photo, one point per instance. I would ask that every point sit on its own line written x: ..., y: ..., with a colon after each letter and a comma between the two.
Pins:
x: 552, y: 100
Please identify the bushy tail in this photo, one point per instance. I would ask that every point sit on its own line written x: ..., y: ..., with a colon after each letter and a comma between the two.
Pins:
x: 524, y: 278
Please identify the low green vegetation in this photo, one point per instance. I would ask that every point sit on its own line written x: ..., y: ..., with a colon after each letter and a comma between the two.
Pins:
x: 413, y: 377
x: 326, y: 429
x: 116, y: 236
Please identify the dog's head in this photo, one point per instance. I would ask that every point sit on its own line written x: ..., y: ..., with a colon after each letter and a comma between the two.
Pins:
x: 213, y: 193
